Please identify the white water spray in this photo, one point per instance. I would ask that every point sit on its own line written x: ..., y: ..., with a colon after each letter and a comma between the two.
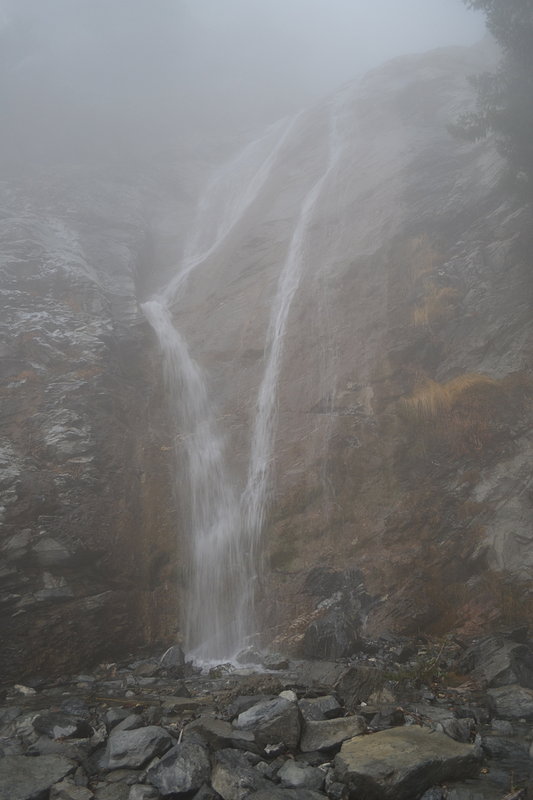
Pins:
x: 217, y: 616
x: 225, y: 529
x: 255, y: 496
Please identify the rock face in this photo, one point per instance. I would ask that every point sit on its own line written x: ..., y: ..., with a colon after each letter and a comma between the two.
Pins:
x: 404, y: 424
x: 401, y: 455
x: 86, y: 543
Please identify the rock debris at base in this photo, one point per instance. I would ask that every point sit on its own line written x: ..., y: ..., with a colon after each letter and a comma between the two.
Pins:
x: 370, y: 729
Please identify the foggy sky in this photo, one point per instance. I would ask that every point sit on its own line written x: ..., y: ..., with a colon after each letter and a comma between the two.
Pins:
x: 81, y: 77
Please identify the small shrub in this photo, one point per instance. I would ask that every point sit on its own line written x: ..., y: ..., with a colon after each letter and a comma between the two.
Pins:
x: 437, y: 307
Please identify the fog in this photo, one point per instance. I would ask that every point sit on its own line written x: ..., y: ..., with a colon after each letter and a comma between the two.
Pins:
x: 90, y: 79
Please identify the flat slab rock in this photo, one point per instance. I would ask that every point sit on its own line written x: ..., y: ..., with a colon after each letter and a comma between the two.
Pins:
x: 24, y: 778
x: 323, y: 734
x: 401, y: 763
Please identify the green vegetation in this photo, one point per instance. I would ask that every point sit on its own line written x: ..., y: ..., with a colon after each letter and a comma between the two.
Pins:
x: 505, y: 98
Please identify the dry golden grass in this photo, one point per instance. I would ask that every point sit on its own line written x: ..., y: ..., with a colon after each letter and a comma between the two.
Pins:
x: 431, y: 400
x: 459, y: 417
x: 437, y: 307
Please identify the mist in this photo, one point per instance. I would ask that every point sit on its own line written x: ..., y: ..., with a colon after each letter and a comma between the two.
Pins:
x: 113, y: 78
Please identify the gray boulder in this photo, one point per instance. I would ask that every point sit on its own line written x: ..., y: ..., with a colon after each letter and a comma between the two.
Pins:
x: 135, y: 748
x: 322, y: 735
x: 511, y: 701
x: 318, y: 708
x: 57, y: 725
x: 219, y: 734
x: 356, y: 685
x: 296, y: 775
x: 23, y: 778
x: 401, y: 763
x: 183, y: 769
x: 499, y: 661
x: 272, y: 721
x: 173, y: 657
x: 234, y: 778
x: 67, y: 790
x: 140, y: 792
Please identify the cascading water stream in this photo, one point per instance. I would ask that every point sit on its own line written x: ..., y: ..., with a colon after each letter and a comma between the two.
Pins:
x: 217, y: 621
x: 254, y: 499
x: 225, y: 528
x: 226, y: 199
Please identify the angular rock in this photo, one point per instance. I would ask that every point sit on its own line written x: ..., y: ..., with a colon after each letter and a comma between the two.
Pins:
x: 511, y: 701
x: 324, y: 734
x: 318, y: 708
x: 498, y: 661
x: 243, y: 703
x: 173, y: 657
x: 134, y: 748
x: 58, y: 725
x: 357, y: 684
x: 113, y: 791
x: 296, y: 775
x: 272, y: 721
x: 140, y: 792
x: 66, y: 790
x: 233, y: 778
x: 183, y: 769
x: 206, y: 793
x: 130, y: 723
x: 220, y: 734
x: 334, y: 635
x: 23, y: 778
x: 115, y: 715
x: 401, y: 763
x: 275, y: 661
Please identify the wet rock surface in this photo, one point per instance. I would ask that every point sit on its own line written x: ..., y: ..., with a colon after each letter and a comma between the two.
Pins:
x: 425, y: 733
x: 75, y: 467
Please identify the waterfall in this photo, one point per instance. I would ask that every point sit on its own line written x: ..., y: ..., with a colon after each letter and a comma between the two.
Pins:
x: 254, y: 499
x: 218, y: 618
x: 227, y: 198
x: 213, y: 628
x: 225, y: 527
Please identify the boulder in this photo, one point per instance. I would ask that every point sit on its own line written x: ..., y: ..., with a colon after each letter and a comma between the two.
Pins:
x: 23, y: 778
x: 183, y: 769
x: 57, y: 725
x: 296, y: 775
x: 173, y: 657
x: 324, y: 734
x: 66, y: 790
x: 219, y: 734
x: 402, y: 763
x: 511, y: 701
x: 498, y: 661
x: 334, y: 635
x: 317, y: 708
x: 140, y: 792
x: 357, y: 684
x: 135, y: 748
x: 234, y: 778
x: 272, y: 721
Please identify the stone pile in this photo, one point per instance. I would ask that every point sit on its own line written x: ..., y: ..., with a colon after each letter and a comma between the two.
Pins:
x: 389, y: 726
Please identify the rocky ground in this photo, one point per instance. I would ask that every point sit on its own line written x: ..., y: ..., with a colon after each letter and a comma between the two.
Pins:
x: 403, y: 720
